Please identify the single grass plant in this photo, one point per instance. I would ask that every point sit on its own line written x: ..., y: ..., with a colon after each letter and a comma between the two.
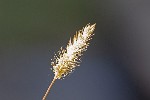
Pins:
x: 68, y: 58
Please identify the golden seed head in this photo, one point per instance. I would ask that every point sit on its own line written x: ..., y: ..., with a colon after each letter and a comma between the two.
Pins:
x: 69, y: 58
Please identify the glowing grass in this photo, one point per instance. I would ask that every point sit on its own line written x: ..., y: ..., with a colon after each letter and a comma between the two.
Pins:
x: 69, y: 58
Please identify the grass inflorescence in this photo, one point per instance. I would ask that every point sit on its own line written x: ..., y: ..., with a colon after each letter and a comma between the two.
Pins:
x: 68, y: 58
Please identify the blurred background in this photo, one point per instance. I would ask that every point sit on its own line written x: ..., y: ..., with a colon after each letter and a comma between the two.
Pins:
x: 116, y: 65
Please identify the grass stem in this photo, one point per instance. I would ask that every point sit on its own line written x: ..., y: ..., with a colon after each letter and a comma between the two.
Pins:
x: 48, y: 90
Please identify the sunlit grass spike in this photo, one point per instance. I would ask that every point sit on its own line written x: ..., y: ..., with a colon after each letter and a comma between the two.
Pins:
x: 69, y: 58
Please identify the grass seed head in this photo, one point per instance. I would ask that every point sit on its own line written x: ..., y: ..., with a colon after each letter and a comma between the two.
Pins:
x: 69, y: 58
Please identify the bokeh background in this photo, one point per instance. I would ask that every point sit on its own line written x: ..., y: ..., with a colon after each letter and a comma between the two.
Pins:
x: 116, y: 65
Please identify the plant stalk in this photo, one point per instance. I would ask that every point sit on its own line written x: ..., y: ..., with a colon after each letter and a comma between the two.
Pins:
x: 48, y: 90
